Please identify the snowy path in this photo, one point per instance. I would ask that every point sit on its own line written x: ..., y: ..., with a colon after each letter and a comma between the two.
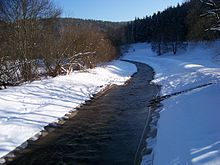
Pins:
x: 188, y: 127
x: 107, y: 130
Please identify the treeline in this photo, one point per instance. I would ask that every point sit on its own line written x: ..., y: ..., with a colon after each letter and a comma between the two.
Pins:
x: 35, y: 41
x: 169, y: 30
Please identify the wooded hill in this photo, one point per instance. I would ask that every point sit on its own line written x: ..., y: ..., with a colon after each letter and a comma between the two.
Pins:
x: 170, y: 29
x: 36, y: 42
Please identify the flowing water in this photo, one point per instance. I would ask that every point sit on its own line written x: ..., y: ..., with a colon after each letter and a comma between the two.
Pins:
x: 105, y: 131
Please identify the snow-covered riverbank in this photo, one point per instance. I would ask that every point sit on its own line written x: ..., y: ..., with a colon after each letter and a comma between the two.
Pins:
x: 188, y: 131
x: 26, y: 109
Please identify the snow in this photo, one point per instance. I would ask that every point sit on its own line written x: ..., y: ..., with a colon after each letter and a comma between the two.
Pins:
x: 187, y: 129
x: 25, y: 110
x: 195, y: 138
x: 188, y: 126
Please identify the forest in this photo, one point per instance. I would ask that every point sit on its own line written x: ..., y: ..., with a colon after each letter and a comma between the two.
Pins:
x: 36, y: 42
x: 173, y: 28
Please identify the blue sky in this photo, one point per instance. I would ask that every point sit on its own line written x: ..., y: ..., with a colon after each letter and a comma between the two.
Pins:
x: 112, y: 10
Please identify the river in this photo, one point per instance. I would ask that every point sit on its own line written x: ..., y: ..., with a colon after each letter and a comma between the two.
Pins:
x: 106, y: 131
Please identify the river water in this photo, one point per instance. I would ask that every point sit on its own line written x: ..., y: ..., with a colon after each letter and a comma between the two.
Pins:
x: 105, y: 131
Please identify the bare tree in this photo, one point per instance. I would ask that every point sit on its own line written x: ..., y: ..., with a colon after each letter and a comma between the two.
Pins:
x: 32, y: 36
x: 23, y: 23
x: 73, y: 47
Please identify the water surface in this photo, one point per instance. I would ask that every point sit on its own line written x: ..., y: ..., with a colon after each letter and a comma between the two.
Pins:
x: 105, y: 131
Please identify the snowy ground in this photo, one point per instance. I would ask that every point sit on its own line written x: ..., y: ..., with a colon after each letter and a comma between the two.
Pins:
x: 26, y: 109
x: 188, y: 127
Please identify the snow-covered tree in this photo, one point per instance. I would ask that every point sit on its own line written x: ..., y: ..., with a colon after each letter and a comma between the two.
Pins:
x: 213, y: 12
